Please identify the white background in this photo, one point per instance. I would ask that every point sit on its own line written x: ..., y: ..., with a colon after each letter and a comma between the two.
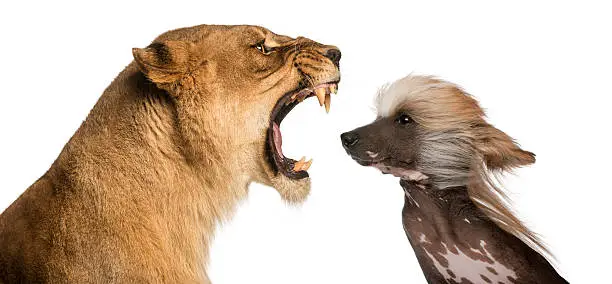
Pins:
x: 542, y: 71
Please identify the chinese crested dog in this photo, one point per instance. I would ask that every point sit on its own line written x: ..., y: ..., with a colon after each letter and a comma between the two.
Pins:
x: 434, y: 137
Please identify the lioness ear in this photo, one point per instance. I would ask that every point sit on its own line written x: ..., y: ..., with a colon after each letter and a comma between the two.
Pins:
x: 163, y: 62
x: 499, y: 150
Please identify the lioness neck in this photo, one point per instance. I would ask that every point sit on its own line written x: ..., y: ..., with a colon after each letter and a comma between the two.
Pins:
x: 455, y: 242
x: 145, y: 144
x: 135, y: 130
x: 123, y: 193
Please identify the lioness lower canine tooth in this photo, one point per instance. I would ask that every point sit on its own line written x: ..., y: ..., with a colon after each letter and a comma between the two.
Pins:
x: 327, y: 102
x: 299, y: 164
x: 297, y: 167
x: 306, y: 165
x: 320, y: 92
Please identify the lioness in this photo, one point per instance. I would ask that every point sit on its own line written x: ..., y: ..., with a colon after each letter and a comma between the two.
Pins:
x: 167, y: 152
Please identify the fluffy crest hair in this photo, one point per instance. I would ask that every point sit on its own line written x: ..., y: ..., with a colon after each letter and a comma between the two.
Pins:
x: 458, y: 147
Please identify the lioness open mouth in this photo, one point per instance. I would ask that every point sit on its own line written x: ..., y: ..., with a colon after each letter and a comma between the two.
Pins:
x: 287, y: 166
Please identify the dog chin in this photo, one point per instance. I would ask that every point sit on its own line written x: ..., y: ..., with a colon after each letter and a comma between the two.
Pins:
x: 407, y: 174
x: 291, y: 191
x: 400, y: 169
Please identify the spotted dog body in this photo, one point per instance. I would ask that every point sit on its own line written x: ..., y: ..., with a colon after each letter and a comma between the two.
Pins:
x: 455, y: 242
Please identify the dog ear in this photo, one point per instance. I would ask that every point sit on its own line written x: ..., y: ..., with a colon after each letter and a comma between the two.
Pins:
x: 499, y: 151
x: 163, y: 62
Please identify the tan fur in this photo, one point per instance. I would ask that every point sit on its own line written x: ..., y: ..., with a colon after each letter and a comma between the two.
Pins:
x: 136, y: 193
x: 457, y: 133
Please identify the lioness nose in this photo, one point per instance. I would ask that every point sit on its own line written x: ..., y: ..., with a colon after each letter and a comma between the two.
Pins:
x: 349, y: 139
x: 334, y: 55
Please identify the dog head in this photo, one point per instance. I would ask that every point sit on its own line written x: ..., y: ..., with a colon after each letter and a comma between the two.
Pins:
x: 232, y: 86
x: 431, y: 131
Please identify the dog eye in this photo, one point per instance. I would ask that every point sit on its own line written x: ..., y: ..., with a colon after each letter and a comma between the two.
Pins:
x: 404, y: 119
x: 263, y: 48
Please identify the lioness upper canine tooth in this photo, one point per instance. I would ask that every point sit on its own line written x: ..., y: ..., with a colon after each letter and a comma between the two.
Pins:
x: 333, y: 89
x: 320, y: 92
x: 327, y: 102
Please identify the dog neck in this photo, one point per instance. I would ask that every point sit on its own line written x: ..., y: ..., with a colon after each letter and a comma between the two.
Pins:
x: 455, y: 242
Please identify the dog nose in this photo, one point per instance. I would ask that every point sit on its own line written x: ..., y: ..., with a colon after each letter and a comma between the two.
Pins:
x: 334, y: 55
x: 349, y: 139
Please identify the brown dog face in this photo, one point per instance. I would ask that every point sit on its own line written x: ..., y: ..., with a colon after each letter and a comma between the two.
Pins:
x: 431, y: 131
x: 233, y: 85
x: 389, y: 144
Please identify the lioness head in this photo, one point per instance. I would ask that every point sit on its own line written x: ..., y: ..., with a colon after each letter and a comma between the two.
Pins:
x: 232, y: 87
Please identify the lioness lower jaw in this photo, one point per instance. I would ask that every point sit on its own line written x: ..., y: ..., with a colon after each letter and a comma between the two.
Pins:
x: 285, y: 166
x: 292, y: 191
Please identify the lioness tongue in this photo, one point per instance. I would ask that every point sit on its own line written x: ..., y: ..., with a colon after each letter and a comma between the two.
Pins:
x: 278, y: 139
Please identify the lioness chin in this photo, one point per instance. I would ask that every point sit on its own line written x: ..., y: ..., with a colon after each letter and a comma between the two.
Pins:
x: 166, y: 152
